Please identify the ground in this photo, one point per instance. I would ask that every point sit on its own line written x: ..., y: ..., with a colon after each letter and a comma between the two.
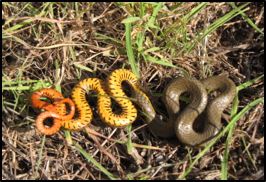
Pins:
x: 58, y: 44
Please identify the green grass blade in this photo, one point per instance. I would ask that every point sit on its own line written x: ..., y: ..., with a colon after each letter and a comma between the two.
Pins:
x: 244, y: 85
x: 154, y: 60
x: 154, y: 14
x: 83, y: 67
x: 247, y: 19
x: 194, y: 12
x: 130, y: 52
x: 94, y: 162
x: 233, y: 121
x: 129, y: 142
x: 215, y: 25
x: 249, y: 154
x: 131, y: 19
x: 228, y: 140
x: 40, y: 157
x: 109, y: 38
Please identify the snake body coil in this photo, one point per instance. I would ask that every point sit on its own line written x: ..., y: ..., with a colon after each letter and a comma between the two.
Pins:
x: 113, y: 87
x: 57, y: 110
x: 191, y: 126
x: 129, y: 112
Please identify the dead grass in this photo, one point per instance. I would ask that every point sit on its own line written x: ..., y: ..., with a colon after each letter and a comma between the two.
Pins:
x: 52, y: 41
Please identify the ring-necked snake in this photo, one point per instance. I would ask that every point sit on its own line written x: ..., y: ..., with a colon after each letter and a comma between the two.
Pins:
x: 114, y: 80
x: 56, y: 110
x: 205, y: 127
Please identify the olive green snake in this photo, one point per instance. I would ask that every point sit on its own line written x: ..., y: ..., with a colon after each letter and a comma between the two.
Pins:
x: 192, y: 126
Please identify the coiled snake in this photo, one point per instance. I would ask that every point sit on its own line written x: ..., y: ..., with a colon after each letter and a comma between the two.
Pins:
x: 182, y: 124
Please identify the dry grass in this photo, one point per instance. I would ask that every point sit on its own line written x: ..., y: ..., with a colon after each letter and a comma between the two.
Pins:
x: 57, y: 44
